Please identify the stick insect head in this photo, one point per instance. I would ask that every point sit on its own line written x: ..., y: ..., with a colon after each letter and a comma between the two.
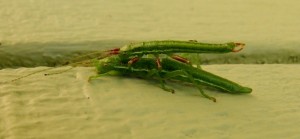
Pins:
x: 238, y: 47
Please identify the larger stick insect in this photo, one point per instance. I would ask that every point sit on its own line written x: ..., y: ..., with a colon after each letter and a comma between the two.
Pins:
x: 171, y: 69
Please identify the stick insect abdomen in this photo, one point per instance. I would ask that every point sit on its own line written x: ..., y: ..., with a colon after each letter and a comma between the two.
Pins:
x: 205, y: 77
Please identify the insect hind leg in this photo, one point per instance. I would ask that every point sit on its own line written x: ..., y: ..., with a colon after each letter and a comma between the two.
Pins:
x: 190, y: 77
x: 162, y: 81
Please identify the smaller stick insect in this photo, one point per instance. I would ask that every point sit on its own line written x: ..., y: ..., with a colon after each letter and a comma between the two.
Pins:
x: 171, y: 69
x: 136, y: 50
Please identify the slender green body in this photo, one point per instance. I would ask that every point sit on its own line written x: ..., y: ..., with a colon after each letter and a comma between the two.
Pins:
x: 205, y: 77
x: 144, y: 65
x: 171, y: 46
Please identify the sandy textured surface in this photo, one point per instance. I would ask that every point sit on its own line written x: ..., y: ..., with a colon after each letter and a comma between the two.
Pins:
x: 67, y: 106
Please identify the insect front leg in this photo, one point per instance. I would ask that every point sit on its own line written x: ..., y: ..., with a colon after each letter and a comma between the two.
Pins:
x: 60, y: 72
x: 94, y: 77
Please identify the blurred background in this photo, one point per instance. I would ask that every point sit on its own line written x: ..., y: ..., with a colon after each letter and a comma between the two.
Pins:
x: 43, y: 33
x: 37, y: 33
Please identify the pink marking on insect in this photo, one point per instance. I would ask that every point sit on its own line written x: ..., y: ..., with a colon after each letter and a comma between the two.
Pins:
x: 181, y: 59
x: 133, y: 60
x: 114, y: 51
x: 158, y: 63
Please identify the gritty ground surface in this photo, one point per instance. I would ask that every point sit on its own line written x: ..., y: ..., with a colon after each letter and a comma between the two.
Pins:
x: 67, y: 106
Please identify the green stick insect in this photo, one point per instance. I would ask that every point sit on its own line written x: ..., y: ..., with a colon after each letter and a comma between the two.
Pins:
x: 165, y: 69
x: 171, y: 69
x: 136, y: 50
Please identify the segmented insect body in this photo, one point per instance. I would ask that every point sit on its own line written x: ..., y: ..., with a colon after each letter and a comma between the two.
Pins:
x: 171, y: 46
x: 136, y: 50
x: 205, y: 77
x: 171, y: 69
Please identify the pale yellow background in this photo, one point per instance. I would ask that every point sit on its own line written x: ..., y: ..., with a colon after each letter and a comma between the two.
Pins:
x: 67, y: 106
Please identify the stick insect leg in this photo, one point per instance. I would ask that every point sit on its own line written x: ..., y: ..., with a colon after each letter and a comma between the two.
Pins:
x: 162, y: 81
x: 19, y: 78
x: 158, y: 63
x: 181, y: 59
x: 181, y: 72
x: 132, y: 61
x: 60, y: 72
x: 94, y: 77
x: 198, y: 61
x: 185, y: 60
x: 114, y: 51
